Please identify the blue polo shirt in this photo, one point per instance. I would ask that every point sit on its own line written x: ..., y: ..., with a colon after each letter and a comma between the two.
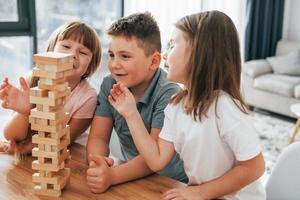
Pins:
x: 151, y: 108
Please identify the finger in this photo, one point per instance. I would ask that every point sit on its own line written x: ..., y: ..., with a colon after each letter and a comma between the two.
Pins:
x: 5, y: 105
x: 23, y: 84
x: 170, y: 194
x: 3, y: 94
x: 109, y: 161
x: 92, y: 164
x: 92, y: 172
x: 113, y: 93
x: 92, y: 180
x: 111, y: 100
x: 124, y: 89
x: 99, y: 160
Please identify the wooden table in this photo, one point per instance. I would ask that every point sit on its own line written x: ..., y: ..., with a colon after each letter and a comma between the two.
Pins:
x: 15, y: 181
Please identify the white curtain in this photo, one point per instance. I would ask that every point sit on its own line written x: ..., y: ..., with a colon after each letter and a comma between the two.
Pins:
x: 167, y: 12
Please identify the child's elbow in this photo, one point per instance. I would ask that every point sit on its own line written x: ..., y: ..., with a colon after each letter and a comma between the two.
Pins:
x: 259, y: 168
x: 155, y: 166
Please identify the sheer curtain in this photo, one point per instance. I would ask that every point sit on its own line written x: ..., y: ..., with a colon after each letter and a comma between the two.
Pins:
x: 167, y: 12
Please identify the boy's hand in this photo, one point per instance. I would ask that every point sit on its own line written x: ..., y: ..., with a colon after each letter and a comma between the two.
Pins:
x: 14, y: 98
x: 122, y: 100
x: 99, y: 175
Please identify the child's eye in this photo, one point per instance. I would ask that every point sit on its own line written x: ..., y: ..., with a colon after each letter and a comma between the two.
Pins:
x: 82, y: 52
x: 125, y: 56
x: 66, y: 46
x: 111, y: 55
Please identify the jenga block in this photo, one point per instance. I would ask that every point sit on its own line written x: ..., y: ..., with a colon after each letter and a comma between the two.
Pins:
x: 63, y: 121
x: 37, y: 92
x: 46, y: 101
x: 36, y: 165
x: 61, y: 133
x: 57, y: 180
x: 55, y: 68
x: 46, y: 128
x: 47, y: 115
x: 56, y: 87
x: 37, y: 152
x: 58, y: 94
x: 52, y: 58
x: 48, y: 75
x: 46, y: 192
x: 47, y: 81
x: 42, y: 140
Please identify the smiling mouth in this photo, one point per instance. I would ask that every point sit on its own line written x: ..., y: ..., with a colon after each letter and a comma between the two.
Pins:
x: 121, y: 75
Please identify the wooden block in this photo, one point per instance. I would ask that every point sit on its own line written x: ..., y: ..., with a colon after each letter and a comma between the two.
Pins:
x: 56, y: 87
x: 36, y: 178
x: 47, y: 141
x: 46, y: 101
x: 55, y: 68
x: 46, y: 192
x: 47, y: 115
x: 46, y: 128
x: 37, y: 152
x: 53, y: 58
x: 44, y: 166
x: 48, y: 75
x: 63, y: 121
x: 47, y: 81
x: 59, y: 94
x: 37, y: 92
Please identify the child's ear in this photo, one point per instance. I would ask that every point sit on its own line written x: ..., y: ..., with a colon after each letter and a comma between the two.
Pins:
x: 156, y: 58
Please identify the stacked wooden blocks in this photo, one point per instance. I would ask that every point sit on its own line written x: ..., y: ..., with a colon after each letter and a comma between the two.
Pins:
x: 50, y: 121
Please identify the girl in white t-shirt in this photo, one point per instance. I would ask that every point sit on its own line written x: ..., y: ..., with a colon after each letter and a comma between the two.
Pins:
x: 207, y: 122
x: 74, y: 38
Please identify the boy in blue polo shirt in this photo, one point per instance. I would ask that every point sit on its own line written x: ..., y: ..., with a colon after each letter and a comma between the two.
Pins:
x: 134, y: 58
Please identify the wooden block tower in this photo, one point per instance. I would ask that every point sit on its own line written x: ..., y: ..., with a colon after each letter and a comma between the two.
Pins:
x: 50, y: 121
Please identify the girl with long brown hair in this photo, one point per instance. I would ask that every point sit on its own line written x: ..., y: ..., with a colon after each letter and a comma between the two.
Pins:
x: 207, y: 122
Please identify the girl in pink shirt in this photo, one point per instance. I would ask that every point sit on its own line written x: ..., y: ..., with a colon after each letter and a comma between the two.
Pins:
x: 74, y: 38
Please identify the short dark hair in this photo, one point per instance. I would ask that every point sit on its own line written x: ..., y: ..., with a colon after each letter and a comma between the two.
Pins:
x: 141, y: 26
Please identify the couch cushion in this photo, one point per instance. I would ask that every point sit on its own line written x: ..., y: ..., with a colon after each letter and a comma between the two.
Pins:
x: 279, y: 84
x: 256, y: 68
x: 286, y: 64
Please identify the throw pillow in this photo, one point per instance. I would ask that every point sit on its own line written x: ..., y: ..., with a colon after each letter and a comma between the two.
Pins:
x: 288, y: 64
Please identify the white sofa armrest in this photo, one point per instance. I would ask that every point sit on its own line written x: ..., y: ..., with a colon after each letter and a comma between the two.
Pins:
x: 255, y: 68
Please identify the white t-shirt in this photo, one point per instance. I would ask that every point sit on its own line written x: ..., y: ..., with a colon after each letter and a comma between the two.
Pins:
x: 211, y: 147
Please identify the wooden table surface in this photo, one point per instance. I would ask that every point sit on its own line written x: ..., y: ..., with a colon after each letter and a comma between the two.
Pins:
x: 15, y: 182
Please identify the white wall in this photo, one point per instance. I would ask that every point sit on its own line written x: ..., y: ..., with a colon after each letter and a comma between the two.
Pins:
x: 291, y: 25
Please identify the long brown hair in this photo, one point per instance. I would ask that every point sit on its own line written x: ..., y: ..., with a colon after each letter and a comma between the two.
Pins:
x: 214, y: 64
x: 82, y: 33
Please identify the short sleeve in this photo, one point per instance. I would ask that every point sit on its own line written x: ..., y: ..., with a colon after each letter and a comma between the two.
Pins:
x: 168, y: 130
x: 164, y: 98
x: 103, y: 106
x: 86, y: 111
x: 237, y: 130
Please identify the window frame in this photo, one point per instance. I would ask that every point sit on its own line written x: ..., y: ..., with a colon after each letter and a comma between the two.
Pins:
x: 25, y: 26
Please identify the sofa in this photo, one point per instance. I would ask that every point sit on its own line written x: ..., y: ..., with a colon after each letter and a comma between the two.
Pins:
x: 273, y: 83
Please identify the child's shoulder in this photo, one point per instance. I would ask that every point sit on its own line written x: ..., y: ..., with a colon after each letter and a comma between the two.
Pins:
x: 84, y: 87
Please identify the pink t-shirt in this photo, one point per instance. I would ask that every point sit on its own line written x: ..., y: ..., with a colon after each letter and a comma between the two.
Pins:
x: 82, y: 101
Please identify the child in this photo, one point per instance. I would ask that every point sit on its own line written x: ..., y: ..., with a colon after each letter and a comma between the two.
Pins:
x: 134, y: 58
x: 74, y: 38
x: 206, y: 123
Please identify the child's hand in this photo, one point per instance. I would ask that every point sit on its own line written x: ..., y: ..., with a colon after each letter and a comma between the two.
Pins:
x: 99, y: 175
x: 122, y: 100
x: 8, y: 147
x: 14, y: 98
x: 186, y: 193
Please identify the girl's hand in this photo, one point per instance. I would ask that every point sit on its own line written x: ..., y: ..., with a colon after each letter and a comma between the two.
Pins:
x: 14, y: 98
x: 122, y: 100
x: 186, y: 193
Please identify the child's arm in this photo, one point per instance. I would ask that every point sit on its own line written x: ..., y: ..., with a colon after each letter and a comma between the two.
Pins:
x: 157, y: 154
x: 77, y: 127
x: 18, y: 101
x: 99, y: 136
x: 244, y: 173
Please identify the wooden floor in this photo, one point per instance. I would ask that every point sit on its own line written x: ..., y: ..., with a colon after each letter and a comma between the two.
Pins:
x: 15, y: 182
